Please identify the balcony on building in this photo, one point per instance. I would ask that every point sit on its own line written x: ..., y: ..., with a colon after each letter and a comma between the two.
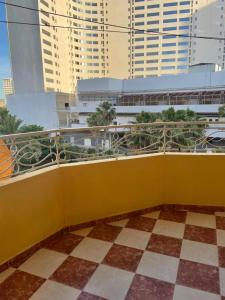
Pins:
x: 119, y: 212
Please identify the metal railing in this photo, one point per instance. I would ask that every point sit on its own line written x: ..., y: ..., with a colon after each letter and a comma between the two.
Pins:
x: 155, y: 101
x: 21, y: 153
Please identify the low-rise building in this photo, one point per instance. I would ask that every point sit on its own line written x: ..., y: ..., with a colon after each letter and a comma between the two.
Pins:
x: 49, y: 110
x: 202, y: 92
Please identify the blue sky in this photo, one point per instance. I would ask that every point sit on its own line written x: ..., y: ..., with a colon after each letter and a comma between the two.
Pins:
x: 4, y: 48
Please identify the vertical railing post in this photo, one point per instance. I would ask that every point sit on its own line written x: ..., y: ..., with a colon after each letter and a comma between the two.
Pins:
x: 164, y: 139
x: 57, y: 138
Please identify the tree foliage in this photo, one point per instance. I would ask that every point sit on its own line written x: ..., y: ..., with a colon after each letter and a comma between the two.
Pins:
x: 30, y: 128
x: 104, y: 115
x: 169, y: 115
x: 222, y: 111
x: 147, y: 117
x: 8, y: 123
x: 175, y: 137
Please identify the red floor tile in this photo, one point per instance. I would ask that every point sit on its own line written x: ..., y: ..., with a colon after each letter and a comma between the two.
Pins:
x: 87, y: 296
x: 221, y: 251
x: 145, y: 288
x: 105, y: 232
x: 141, y: 223
x: 220, y: 223
x: 165, y: 245
x: 74, y: 272
x: 200, y: 234
x: 64, y: 243
x: 199, y: 276
x: 20, y: 286
x: 123, y: 257
x: 175, y: 216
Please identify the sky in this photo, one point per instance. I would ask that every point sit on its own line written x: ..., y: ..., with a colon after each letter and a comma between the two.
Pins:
x: 4, y: 50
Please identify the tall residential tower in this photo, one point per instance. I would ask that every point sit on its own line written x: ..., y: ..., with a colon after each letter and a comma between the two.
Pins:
x: 7, y: 87
x: 50, y: 58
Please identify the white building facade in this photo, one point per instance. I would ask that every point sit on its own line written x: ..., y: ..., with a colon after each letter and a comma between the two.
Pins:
x: 49, y: 110
x: 202, y: 92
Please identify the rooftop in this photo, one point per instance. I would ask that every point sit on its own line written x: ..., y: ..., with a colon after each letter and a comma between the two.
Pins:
x: 181, y: 82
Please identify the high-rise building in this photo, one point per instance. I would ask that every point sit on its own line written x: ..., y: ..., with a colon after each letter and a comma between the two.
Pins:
x: 7, y: 86
x: 170, y: 48
x: 51, y: 58
x: 48, y: 58
x: 2, y: 103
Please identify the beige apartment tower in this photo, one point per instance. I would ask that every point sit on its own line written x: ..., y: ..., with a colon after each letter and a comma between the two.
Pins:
x: 49, y: 58
x: 7, y: 86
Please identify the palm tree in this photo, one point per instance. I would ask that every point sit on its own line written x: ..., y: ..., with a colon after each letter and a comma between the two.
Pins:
x: 154, y: 137
x: 104, y: 115
x: 147, y: 117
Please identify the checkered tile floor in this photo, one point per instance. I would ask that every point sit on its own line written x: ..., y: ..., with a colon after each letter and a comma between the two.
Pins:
x: 158, y: 256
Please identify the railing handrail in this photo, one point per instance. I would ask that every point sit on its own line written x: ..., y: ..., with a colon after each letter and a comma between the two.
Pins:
x: 83, y: 129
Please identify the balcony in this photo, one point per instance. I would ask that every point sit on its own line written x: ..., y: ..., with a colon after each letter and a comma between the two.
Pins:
x: 119, y: 212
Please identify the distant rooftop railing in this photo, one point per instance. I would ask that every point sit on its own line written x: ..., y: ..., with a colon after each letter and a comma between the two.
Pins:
x: 216, y: 98
x: 26, y: 152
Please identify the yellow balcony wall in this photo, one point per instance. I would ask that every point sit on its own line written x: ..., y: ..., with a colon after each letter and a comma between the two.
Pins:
x: 194, y: 179
x: 35, y: 205
x: 99, y: 190
x: 30, y: 210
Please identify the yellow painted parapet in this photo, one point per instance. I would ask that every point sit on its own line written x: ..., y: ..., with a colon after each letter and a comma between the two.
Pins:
x: 36, y: 205
x: 30, y: 210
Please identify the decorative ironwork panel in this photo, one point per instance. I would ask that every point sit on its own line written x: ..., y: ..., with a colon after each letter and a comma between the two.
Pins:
x: 21, y: 153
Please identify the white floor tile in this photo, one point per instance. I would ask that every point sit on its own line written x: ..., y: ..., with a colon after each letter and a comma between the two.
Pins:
x: 199, y: 252
x: 83, y: 232
x: 222, y: 281
x: 43, y: 263
x: 169, y: 228
x: 133, y: 238
x: 52, y: 290
x: 203, y: 220
x: 92, y: 249
x: 121, y: 223
x: 153, y: 214
x: 110, y: 283
x: 185, y: 293
x: 159, y: 266
x: 220, y: 213
x: 220, y: 237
